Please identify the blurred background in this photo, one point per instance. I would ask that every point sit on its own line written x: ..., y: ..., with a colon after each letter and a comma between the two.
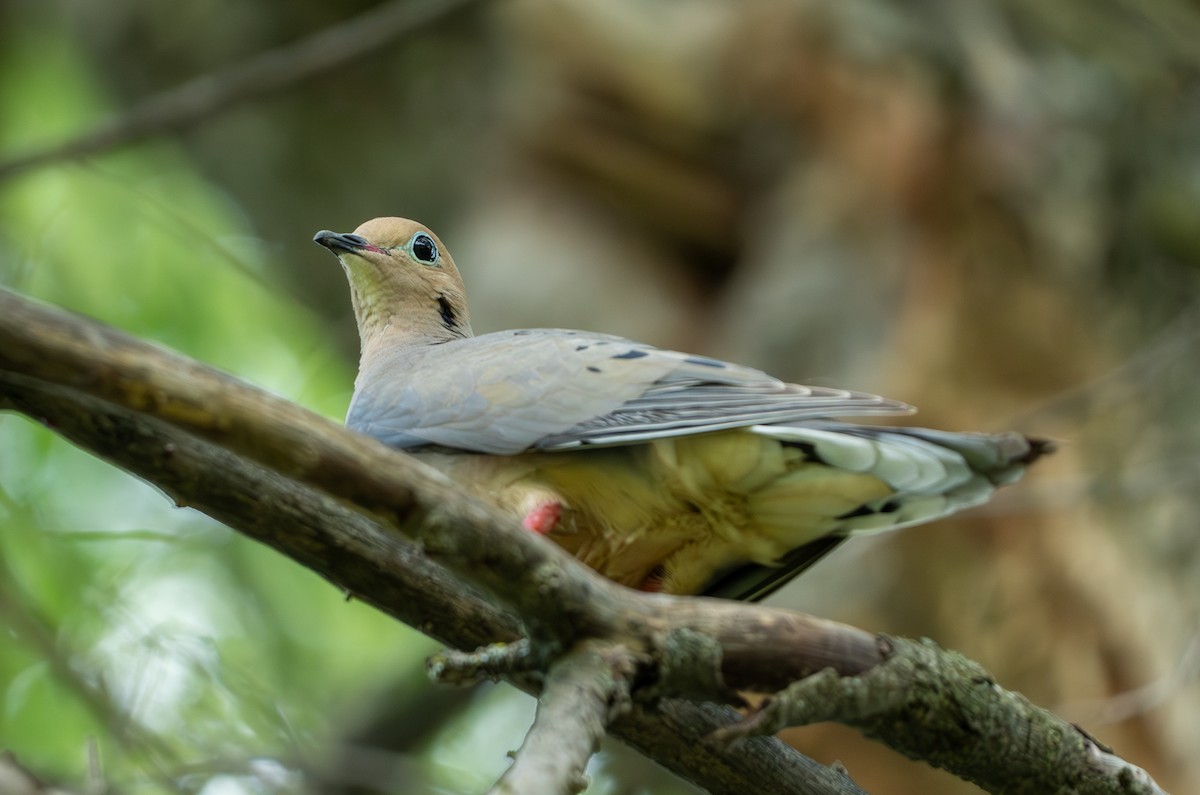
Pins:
x: 987, y: 208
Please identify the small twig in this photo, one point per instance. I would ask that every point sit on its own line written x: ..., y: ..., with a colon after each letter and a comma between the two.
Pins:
x: 585, y: 689
x: 203, y: 97
x: 494, y: 661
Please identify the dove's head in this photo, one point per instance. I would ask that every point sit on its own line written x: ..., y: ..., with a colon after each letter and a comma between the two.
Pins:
x: 402, y: 281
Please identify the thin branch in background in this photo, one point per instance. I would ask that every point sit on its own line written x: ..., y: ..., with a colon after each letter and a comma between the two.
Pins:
x: 1132, y: 703
x: 1127, y: 380
x: 203, y: 97
x: 176, y: 222
x: 95, y: 782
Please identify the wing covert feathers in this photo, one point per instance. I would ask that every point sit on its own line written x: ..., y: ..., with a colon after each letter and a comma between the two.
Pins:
x: 554, y: 389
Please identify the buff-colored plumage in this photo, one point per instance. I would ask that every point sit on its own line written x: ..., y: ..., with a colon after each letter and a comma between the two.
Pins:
x: 659, y: 469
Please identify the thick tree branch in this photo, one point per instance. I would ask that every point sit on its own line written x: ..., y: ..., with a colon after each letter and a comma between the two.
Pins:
x: 203, y: 97
x: 353, y: 551
x: 317, y: 531
x: 146, y: 407
x: 939, y: 706
x: 378, y: 567
x: 556, y: 595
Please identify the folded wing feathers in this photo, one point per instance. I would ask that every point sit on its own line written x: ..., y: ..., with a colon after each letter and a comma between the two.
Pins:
x: 553, y: 389
x: 703, y: 398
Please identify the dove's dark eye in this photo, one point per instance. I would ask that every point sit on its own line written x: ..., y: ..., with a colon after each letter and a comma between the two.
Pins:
x: 423, y: 248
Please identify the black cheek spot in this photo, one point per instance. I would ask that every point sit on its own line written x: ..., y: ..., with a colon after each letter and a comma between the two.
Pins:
x: 634, y: 354
x: 593, y: 369
x: 449, y: 318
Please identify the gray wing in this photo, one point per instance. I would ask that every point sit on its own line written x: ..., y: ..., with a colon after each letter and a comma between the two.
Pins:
x: 554, y: 389
x: 704, y: 395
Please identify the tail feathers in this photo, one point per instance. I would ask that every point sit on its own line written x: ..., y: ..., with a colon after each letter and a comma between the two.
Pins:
x: 995, y: 455
x: 932, y: 473
x: 1000, y: 457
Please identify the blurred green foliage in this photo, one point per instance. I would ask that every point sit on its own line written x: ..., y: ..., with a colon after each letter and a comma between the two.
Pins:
x: 165, y: 640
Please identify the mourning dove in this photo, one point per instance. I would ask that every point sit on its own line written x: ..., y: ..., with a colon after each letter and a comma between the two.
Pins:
x: 661, y: 470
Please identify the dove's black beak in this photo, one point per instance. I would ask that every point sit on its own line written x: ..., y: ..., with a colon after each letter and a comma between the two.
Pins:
x: 335, y: 242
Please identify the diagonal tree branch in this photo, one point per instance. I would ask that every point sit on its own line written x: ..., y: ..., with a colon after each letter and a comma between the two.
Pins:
x: 351, y: 550
x: 149, y: 409
x: 376, y: 566
x: 199, y: 99
x: 558, y: 596
x: 317, y: 531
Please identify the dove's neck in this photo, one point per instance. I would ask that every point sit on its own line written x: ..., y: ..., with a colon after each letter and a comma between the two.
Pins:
x: 387, y: 317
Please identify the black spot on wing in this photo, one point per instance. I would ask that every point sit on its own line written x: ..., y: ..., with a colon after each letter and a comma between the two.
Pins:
x: 581, y: 347
x: 891, y: 506
x: 631, y: 354
x: 704, y: 361
x: 593, y: 369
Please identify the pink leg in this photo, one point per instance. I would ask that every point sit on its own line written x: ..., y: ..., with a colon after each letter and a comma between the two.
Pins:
x: 654, y: 581
x: 543, y: 518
